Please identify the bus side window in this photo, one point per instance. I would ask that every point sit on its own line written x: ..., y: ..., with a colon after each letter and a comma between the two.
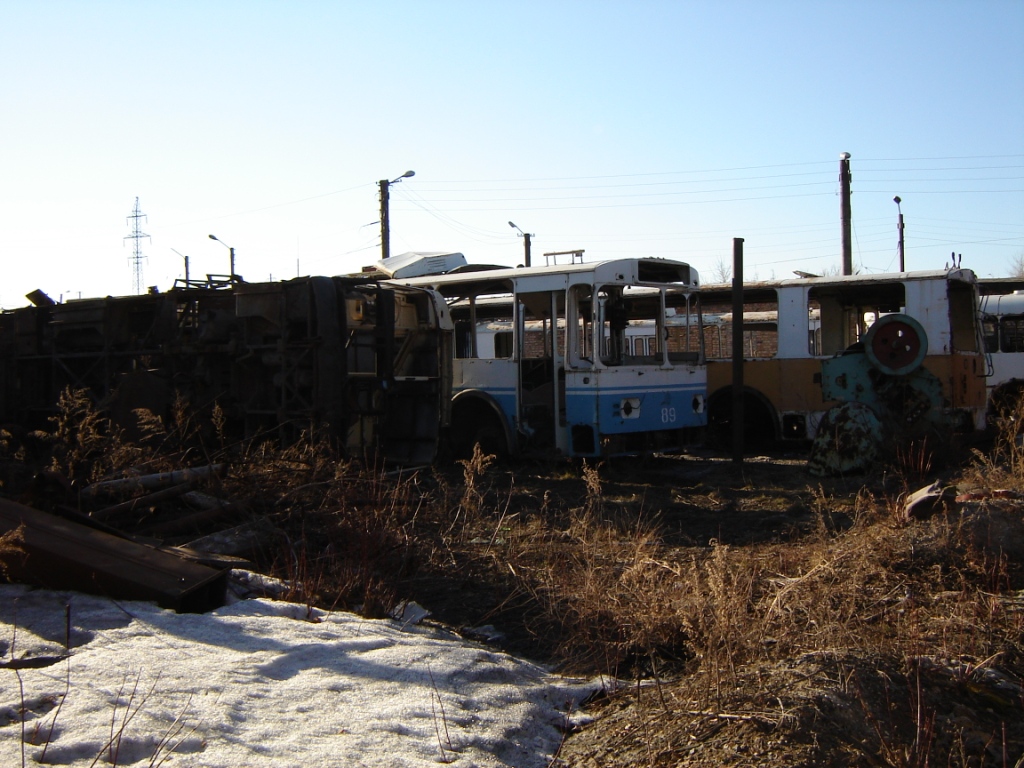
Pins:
x: 1012, y: 333
x: 990, y: 331
x: 615, y: 323
x: 503, y: 344
x: 463, y: 339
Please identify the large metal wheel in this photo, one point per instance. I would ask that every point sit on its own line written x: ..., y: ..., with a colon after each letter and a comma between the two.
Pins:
x: 896, y: 344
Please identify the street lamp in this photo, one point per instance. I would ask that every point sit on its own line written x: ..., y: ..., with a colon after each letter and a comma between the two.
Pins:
x: 233, y: 277
x: 385, y: 227
x: 899, y: 227
x: 526, y: 241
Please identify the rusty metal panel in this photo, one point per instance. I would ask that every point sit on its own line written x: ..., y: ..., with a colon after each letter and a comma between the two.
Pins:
x: 65, y: 555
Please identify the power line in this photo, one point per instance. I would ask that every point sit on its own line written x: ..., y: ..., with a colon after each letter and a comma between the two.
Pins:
x: 643, y: 204
x: 641, y: 195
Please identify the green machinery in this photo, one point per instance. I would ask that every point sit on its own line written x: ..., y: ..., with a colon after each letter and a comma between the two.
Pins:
x: 884, y: 393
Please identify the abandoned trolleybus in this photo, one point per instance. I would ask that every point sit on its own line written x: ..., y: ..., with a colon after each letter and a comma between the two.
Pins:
x: 1002, y: 318
x: 791, y: 327
x: 542, y: 361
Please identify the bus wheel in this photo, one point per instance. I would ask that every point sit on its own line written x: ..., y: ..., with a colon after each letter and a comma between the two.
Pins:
x: 474, y: 423
x: 758, y: 422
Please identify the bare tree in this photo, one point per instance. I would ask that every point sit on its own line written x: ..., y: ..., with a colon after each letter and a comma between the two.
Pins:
x: 721, y: 272
x: 1017, y: 265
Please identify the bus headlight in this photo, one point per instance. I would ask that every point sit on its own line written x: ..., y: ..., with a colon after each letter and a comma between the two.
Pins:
x: 628, y: 408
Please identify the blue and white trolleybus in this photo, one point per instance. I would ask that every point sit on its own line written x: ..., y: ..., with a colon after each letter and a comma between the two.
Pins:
x: 543, y: 361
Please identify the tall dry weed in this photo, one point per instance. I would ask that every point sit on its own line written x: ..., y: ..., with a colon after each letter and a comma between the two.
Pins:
x: 87, y: 446
x: 473, y: 470
x: 347, y: 529
x: 602, y: 584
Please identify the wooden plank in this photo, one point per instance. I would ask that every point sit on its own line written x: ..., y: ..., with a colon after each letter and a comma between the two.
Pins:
x: 62, y: 554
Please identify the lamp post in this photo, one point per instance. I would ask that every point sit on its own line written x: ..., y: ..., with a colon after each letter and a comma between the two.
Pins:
x: 232, y: 251
x: 385, y: 226
x: 899, y: 227
x: 526, y: 241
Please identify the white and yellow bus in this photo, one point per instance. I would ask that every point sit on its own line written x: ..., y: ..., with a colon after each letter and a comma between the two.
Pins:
x: 791, y: 326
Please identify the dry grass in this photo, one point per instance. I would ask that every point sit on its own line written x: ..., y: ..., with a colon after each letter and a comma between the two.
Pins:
x: 11, y: 547
x: 846, y: 592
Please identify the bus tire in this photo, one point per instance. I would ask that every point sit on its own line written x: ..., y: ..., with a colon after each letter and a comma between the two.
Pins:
x: 760, y: 428
x: 476, y: 422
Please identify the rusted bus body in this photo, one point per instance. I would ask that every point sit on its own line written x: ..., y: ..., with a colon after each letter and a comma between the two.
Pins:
x: 791, y: 326
x: 369, y: 363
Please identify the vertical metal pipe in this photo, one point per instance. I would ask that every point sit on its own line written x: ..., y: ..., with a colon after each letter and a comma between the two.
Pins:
x: 385, y: 229
x: 737, y: 350
x: 844, y: 211
x: 902, y: 246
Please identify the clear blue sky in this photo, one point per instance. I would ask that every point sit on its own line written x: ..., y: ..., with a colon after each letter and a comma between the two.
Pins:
x: 623, y: 128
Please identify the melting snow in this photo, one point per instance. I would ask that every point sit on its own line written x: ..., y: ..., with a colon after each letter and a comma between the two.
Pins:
x: 261, y: 683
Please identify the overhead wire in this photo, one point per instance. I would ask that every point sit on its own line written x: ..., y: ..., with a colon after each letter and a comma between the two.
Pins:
x: 474, y: 233
x: 636, y: 190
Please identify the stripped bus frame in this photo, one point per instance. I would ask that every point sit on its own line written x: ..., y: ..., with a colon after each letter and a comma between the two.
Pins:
x: 371, y: 364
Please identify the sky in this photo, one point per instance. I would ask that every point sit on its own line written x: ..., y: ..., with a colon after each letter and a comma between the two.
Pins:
x: 256, y: 683
x: 648, y: 128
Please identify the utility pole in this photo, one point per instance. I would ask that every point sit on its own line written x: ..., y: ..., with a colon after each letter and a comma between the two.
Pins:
x: 526, y: 242
x: 186, y: 264
x: 385, y: 224
x: 899, y: 227
x: 844, y: 211
x: 137, y: 234
x: 738, y: 416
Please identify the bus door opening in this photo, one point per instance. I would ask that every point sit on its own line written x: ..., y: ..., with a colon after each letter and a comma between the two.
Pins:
x: 540, y: 320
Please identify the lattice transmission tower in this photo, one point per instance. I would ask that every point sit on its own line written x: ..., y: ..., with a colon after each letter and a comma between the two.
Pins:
x: 137, y: 257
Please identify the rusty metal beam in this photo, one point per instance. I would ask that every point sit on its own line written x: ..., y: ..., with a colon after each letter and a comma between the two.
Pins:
x: 65, y: 555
